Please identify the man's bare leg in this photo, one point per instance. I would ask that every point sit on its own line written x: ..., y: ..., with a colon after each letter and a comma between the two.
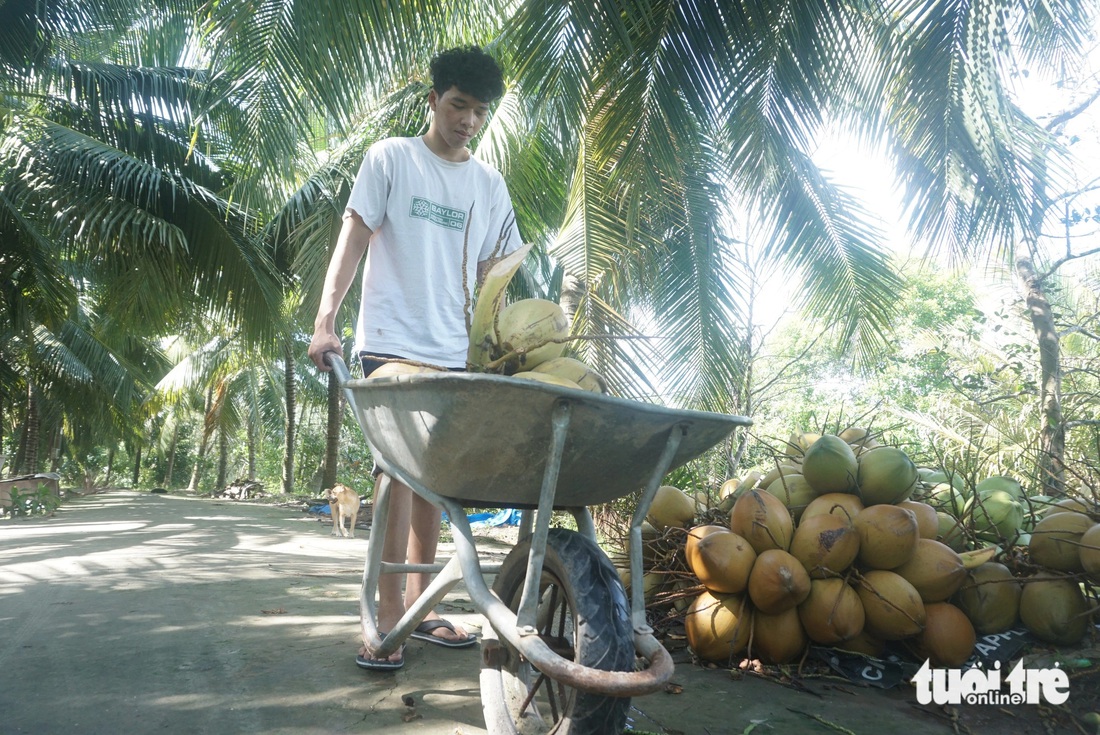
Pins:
x: 423, y: 541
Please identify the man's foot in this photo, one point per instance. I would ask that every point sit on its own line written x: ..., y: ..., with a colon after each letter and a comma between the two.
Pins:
x: 393, y: 662
x: 442, y: 633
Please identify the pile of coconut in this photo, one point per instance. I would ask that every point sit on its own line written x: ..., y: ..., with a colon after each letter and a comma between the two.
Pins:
x: 849, y: 544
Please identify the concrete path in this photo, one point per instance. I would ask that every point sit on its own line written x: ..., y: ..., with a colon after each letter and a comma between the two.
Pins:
x: 135, y: 613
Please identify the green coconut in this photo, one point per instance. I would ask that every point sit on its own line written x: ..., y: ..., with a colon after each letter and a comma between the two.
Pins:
x: 794, y: 491
x: 946, y: 497
x: 1001, y: 482
x: 951, y: 531
x: 990, y: 597
x: 935, y: 477
x: 1090, y: 552
x: 1056, y: 541
x: 886, y: 475
x: 996, y: 515
x: 1054, y: 610
x: 774, y: 473
x: 830, y: 465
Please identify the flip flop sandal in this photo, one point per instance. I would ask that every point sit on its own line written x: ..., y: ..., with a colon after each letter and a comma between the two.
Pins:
x: 380, y: 664
x: 423, y: 632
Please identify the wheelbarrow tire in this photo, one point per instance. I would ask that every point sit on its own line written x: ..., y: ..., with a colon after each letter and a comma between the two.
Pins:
x: 595, y: 631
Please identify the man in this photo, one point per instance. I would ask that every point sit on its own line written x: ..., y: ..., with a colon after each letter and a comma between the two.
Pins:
x: 434, y: 218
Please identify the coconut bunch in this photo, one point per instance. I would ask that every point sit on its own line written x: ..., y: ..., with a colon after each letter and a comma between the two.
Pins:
x: 526, y: 338
x: 830, y: 548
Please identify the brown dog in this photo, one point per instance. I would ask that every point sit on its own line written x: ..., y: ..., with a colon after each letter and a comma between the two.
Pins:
x: 344, y: 503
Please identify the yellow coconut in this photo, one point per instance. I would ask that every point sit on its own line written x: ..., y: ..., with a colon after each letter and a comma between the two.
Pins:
x: 1090, y: 552
x: 855, y: 435
x: 795, y: 493
x: 893, y: 607
x: 829, y: 465
x: 842, y: 504
x: 825, y: 544
x: 671, y: 508
x: 763, y: 520
x: 728, y: 488
x: 886, y: 475
x: 778, y: 471
x: 777, y: 639
x: 832, y: 612
x: 864, y: 643
x: 1071, y: 505
x: 534, y: 329
x: 990, y: 597
x: 1054, y: 610
x: 1055, y: 541
x: 887, y: 536
x: 697, y: 534
x: 935, y: 570
x: 777, y: 582
x: 718, y: 626
x: 722, y: 562
x: 928, y: 524
x: 574, y: 370
x: 547, y: 378
x: 799, y: 442
x: 389, y: 369
x: 948, y: 638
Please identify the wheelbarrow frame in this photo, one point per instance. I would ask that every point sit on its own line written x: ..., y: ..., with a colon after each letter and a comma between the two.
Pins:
x: 686, y: 435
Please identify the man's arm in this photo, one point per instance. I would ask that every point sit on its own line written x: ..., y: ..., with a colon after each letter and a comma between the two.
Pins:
x: 350, y: 247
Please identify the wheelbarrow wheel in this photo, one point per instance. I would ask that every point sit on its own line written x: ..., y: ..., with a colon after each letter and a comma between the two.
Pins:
x: 583, y: 615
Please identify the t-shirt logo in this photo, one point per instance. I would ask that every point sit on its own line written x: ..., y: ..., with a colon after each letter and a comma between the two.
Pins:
x: 449, y: 217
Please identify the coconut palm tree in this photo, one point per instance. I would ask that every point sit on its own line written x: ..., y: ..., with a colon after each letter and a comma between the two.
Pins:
x: 112, y: 198
x: 632, y: 130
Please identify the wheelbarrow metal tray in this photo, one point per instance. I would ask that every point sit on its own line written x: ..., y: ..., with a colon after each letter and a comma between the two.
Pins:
x: 482, y: 439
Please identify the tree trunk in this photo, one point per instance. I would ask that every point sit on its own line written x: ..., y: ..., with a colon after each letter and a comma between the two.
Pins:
x: 223, y: 458
x: 167, y: 479
x: 56, y: 438
x: 200, y: 458
x: 332, y: 435
x: 291, y: 410
x: 251, y: 450
x: 1052, y: 437
x: 110, y: 467
x: 137, y: 467
x: 28, y: 447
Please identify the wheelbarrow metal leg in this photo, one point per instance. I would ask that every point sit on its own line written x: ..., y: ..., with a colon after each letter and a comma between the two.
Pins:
x: 372, y: 567
x: 529, y: 601
x: 637, y: 592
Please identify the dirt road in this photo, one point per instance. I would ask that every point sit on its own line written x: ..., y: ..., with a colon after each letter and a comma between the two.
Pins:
x: 128, y: 612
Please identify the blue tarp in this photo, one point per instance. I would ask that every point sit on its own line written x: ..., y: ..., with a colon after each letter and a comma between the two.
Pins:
x: 505, y: 517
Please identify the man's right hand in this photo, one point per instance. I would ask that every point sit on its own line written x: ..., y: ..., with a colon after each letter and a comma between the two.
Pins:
x: 324, y: 341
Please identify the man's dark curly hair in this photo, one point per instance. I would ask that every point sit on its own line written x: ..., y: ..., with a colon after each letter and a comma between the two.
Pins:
x: 470, y: 69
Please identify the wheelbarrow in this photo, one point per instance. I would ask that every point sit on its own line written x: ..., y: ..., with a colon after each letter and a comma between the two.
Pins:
x: 565, y: 649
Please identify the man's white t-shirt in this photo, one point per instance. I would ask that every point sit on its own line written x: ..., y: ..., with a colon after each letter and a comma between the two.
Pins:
x: 422, y: 209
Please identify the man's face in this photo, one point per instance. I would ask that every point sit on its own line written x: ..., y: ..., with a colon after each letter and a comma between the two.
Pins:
x: 458, y: 116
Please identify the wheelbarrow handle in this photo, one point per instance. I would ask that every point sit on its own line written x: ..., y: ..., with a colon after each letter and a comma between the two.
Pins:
x: 336, y: 362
